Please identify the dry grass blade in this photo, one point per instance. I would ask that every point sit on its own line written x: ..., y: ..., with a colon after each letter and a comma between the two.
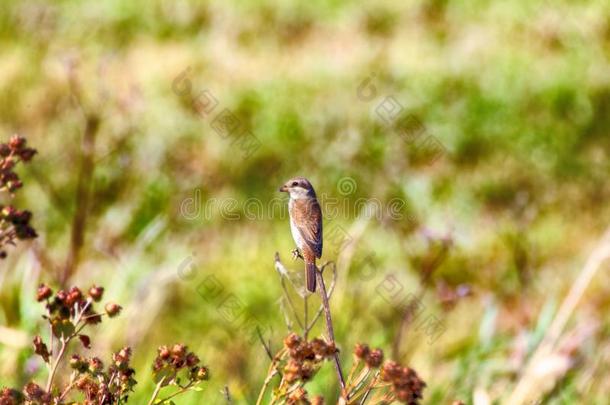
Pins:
x: 528, y: 387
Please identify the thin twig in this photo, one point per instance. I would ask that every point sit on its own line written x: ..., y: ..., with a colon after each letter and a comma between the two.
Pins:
x: 227, y: 395
x: 64, y: 344
x: 270, y: 374
x: 156, y: 391
x: 182, y: 390
x: 266, y: 345
x: 329, y: 327
x: 305, y: 313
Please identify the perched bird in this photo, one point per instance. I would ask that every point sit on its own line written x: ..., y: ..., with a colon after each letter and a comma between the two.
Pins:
x: 305, y: 225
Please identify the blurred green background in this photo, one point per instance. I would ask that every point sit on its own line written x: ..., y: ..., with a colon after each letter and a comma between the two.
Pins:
x: 517, y: 93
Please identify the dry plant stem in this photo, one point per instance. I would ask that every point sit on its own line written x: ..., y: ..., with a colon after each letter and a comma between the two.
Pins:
x: 279, y: 266
x: 305, y: 329
x: 270, y: 374
x: 66, y: 391
x: 350, y: 376
x: 370, y: 388
x: 156, y: 391
x: 357, y: 385
x: 83, y: 196
x: 110, y: 381
x: 62, y: 350
x: 227, y: 395
x: 64, y: 345
x: 329, y: 326
x: 175, y: 394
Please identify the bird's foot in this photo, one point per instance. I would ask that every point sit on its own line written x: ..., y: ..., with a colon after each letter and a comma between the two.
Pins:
x: 296, y: 254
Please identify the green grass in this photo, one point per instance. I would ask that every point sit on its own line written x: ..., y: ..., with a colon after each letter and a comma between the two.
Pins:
x: 517, y: 93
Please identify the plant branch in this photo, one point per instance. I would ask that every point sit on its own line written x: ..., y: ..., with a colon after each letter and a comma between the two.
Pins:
x: 329, y: 326
x: 156, y: 391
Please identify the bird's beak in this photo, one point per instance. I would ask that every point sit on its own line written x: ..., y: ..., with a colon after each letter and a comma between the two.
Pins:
x: 283, y: 188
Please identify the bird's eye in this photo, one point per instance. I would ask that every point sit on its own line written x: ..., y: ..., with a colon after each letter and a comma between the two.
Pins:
x: 295, y: 183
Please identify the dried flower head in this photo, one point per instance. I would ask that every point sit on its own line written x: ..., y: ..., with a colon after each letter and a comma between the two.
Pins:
x: 14, y: 223
x: 112, y: 309
x: 361, y: 351
x: 40, y: 348
x: 406, y: 384
x: 96, y: 293
x: 44, y: 292
x: 374, y: 358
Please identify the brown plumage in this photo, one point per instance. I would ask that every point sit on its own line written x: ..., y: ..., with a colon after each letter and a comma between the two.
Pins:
x: 305, y: 224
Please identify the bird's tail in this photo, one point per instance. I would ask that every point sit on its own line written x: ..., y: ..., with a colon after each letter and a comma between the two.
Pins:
x: 310, y: 276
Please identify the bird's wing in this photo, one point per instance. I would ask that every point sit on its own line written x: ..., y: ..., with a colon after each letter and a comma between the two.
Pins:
x: 308, y: 220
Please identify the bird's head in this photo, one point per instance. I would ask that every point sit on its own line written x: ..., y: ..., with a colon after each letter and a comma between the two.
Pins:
x: 298, y: 187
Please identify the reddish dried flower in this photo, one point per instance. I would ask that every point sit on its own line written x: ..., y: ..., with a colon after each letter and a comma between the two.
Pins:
x: 292, y: 341
x: 112, y: 309
x: 361, y: 350
x: 122, y: 357
x: 317, y: 400
x: 35, y: 394
x: 16, y: 142
x: 303, y: 351
x: 14, y: 224
x: 374, y: 358
x: 78, y: 363
x: 74, y: 295
x: 297, y: 396
x: 96, y: 293
x: 43, y: 292
x: 406, y: 384
x: 95, y: 365
x: 41, y: 349
x: 85, y: 340
x: 164, y: 352
x: 306, y: 372
x: 192, y: 360
x: 27, y: 154
x: 201, y: 373
x: 61, y: 296
x: 179, y: 350
x: 292, y: 371
x: 10, y: 396
x: 93, y: 319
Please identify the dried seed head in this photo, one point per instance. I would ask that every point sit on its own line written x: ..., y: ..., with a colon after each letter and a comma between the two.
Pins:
x: 41, y: 349
x: 112, y: 309
x: 374, y: 358
x: 164, y: 352
x: 292, y: 341
x: 361, y: 351
x: 95, y: 365
x: 96, y: 293
x: 317, y: 400
x: 44, y: 292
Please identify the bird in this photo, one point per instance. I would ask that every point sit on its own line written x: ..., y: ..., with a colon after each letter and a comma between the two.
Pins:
x: 305, y: 225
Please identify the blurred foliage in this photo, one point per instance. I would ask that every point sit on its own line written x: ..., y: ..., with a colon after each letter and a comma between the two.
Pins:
x: 517, y: 93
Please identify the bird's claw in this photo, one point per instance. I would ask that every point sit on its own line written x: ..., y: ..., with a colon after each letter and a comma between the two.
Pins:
x: 296, y: 254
